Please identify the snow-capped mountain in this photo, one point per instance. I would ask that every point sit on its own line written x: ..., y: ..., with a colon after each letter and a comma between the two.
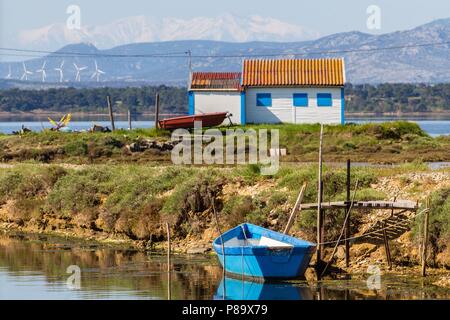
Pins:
x: 421, y: 54
x: 138, y: 29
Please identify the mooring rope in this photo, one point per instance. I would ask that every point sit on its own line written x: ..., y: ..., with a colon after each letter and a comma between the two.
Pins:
x: 372, y: 232
x: 347, y: 215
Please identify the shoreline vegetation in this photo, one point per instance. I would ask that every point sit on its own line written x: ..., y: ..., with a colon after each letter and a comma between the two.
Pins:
x: 130, y: 204
x: 103, y: 113
x: 121, y: 188
x: 378, y: 143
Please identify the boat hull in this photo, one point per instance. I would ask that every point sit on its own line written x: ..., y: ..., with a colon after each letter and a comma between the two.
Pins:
x: 238, y: 289
x: 260, y: 261
x: 186, y: 122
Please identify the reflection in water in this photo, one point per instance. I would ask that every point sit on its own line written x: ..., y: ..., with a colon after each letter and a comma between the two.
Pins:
x: 235, y: 289
x: 34, y: 267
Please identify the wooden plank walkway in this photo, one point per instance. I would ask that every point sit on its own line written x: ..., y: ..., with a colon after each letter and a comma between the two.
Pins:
x: 399, y: 205
x: 396, y: 225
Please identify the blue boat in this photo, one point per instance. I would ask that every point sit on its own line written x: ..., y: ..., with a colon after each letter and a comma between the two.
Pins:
x: 256, y: 252
x: 235, y: 289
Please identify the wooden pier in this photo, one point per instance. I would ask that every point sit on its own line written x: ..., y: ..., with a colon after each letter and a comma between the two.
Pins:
x: 396, y: 205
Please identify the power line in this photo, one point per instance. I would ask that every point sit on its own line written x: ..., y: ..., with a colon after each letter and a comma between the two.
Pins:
x: 185, y: 54
x: 68, y: 53
x: 328, y: 51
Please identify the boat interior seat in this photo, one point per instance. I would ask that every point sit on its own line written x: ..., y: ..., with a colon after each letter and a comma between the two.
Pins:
x: 263, y: 241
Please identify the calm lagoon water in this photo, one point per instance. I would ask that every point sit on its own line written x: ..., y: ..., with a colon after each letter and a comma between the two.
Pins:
x: 433, y: 126
x: 35, y: 267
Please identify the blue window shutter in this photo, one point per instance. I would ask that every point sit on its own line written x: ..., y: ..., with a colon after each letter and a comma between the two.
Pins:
x: 191, y: 103
x: 324, y: 100
x: 243, y: 108
x: 300, y: 99
x: 342, y: 106
x: 264, y: 99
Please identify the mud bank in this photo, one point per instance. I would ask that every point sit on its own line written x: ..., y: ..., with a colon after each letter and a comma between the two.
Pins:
x: 128, y: 205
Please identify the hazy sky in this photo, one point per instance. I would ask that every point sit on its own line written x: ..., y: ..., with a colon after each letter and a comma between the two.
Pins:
x: 325, y: 16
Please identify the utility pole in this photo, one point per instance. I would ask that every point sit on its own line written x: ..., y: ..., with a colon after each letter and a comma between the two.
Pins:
x: 157, y: 111
x: 129, y: 119
x: 111, y: 114
x: 425, y: 238
x: 189, y: 52
x: 347, y: 210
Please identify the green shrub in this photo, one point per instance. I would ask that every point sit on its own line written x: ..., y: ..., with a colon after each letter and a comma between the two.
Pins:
x: 194, y: 193
x: 9, y: 183
x: 236, y: 209
x: 439, y: 222
x: 78, y: 191
x: 76, y: 148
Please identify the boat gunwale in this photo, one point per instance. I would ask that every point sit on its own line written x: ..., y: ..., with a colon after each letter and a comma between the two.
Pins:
x: 232, y: 250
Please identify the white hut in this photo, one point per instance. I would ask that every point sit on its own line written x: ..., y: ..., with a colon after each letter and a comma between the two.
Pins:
x: 274, y: 91
x: 294, y: 91
x: 216, y: 92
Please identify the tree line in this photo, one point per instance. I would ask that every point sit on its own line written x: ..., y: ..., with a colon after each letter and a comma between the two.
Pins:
x: 386, y: 98
x: 137, y: 99
x: 382, y: 98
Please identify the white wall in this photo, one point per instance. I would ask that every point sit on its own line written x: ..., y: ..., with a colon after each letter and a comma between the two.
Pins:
x: 227, y: 101
x: 283, y: 110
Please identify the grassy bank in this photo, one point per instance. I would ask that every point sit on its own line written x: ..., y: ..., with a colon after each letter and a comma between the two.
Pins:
x: 131, y: 202
x: 393, y: 142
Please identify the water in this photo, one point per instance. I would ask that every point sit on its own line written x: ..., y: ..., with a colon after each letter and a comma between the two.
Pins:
x: 10, y: 127
x: 34, y: 267
x: 434, y: 127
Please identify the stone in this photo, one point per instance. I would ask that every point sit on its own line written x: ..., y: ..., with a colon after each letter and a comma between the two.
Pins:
x: 198, y: 250
x: 340, y: 253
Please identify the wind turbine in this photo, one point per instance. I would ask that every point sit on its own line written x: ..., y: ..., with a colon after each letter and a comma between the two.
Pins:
x: 42, y: 70
x: 97, y: 72
x: 25, y: 72
x: 9, y: 75
x: 60, y: 70
x: 79, y: 69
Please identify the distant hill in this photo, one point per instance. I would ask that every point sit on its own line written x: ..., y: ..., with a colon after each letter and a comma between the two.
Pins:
x: 429, y: 64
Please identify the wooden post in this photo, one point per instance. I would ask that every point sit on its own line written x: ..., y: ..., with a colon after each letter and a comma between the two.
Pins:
x: 296, y: 208
x: 111, y: 114
x: 425, y: 239
x: 157, y: 111
x: 169, y: 293
x: 347, y: 225
x: 386, y: 247
x: 129, y: 120
x: 322, y: 219
x: 319, y: 203
x: 216, y: 218
x: 392, y: 211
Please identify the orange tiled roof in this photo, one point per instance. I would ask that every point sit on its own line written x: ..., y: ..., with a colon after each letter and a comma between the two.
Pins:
x: 299, y: 72
x: 216, y: 80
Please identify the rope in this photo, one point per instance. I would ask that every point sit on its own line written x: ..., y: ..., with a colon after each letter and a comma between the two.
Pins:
x: 375, y: 231
x: 343, y: 228
x: 213, y: 200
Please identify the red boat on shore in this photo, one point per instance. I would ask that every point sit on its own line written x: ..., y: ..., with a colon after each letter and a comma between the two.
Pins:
x: 186, y: 122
